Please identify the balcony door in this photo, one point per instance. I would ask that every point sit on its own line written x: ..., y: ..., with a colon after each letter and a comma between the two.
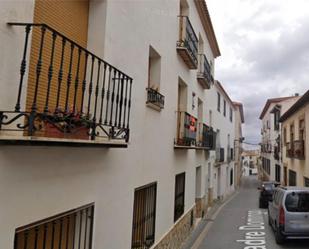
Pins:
x: 69, y: 18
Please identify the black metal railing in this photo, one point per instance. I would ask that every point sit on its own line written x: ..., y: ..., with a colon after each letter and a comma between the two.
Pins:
x: 188, y: 38
x: 144, y: 217
x: 72, y: 89
x: 73, y: 229
x: 299, y: 149
x: 186, y: 129
x: 155, y: 98
x: 207, y: 137
x: 205, y: 69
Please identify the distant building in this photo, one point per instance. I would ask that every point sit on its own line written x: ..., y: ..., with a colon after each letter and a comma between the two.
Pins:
x: 270, y: 132
x: 239, y: 120
x: 295, y: 141
x: 250, y: 162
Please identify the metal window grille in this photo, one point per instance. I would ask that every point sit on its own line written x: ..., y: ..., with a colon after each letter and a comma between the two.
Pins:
x: 144, y: 217
x: 70, y: 230
x: 278, y: 173
x: 306, y: 182
x: 179, y: 195
x: 292, y: 178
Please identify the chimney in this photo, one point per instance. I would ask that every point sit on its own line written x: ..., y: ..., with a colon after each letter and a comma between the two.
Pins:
x: 296, y: 94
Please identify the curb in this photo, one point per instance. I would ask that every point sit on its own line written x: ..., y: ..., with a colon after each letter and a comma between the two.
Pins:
x: 201, y: 230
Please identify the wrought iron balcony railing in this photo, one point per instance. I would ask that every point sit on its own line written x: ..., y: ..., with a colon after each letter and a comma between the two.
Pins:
x: 155, y: 98
x: 186, y: 129
x: 290, y: 149
x: 69, y: 91
x: 204, y: 75
x: 299, y: 149
x: 206, y: 137
x: 187, y: 44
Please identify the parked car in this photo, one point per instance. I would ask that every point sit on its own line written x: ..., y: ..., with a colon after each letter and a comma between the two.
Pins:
x: 288, y: 213
x: 266, y: 193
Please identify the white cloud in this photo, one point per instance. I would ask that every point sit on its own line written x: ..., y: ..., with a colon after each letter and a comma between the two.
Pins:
x: 265, y: 52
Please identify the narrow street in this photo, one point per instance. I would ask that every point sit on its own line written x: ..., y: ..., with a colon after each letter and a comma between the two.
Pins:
x: 225, y: 233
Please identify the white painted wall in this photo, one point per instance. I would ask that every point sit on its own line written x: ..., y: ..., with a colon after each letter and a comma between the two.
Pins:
x: 38, y: 182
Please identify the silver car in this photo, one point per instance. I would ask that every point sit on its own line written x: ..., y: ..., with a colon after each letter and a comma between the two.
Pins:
x: 288, y: 213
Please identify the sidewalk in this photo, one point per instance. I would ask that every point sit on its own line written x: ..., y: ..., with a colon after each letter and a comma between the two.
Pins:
x: 209, y: 218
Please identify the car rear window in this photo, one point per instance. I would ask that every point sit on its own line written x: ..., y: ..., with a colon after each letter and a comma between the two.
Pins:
x: 297, y: 202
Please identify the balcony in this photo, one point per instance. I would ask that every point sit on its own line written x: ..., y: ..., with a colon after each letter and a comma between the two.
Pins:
x: 220, y: 155
x: 290, y: 150
x: 187, y: 43
x: 186, y: 131
x: 67, y: 96
x: 299, y: 149
x: 155, y: 100
x: 206, y: 137
x: 204, y: 76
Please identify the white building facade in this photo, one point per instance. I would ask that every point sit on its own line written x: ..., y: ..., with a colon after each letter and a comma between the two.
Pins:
x: 271, y: 153
x: 124, y: 149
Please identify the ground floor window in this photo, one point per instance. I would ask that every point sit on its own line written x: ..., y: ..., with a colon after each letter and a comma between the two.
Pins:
x: 144, y: 216
x: 292, y: 178
x: 306, y: 182
x: 278, y: 173
x: 72, y: 229
x: 231, y: 177
x: 179, y: 207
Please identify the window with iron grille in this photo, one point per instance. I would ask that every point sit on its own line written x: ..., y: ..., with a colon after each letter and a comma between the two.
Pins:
x: 144, y: 216
x: 306, y: 182
x: 179, y: 195
x: 231, y: 114
x: 72, y: 229
x: 278, y: 173
x: 292, y: 178
x: 224, y: 108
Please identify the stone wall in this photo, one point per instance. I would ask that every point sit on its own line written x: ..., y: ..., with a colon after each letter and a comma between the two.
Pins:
x: 179, y: 233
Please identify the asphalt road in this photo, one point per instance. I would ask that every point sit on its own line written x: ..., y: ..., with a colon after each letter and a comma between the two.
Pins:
x: 224, y: 231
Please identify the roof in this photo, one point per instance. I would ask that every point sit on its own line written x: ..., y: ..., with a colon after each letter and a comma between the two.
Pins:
x: 207, y: 25
x: 294, y: 108
x: 219, y: 85
x: 271, y: 101
x: 241, y: 110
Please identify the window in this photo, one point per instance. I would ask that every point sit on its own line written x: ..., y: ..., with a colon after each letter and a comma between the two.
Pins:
x: 292, y: 178
x: 306, y: 182
x: 278, y: 173
x: 231, y: 177
x: 219, y: 101
x: 276, y: 119
x: 179, y: 207
x: 144, y: 216
x: 297, y: 202
x: 231, y: 114
x: 292, y: 133
x: 154, y: 69
x: 284, y: 136
x: 75, y: 228
x: 302, y: 129
x: 224, y: 108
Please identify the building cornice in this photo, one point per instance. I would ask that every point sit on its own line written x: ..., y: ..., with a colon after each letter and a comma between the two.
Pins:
x: 208, y: 27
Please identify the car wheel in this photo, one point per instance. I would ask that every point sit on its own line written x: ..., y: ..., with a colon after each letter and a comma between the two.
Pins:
x: 279, y: 237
